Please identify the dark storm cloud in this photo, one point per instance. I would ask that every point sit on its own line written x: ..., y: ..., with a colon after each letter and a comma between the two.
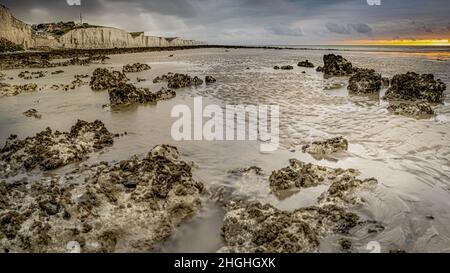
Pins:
x: 336, y: 28
x: 284, y: 30
x: 261, y: 21
x: 361, y: 28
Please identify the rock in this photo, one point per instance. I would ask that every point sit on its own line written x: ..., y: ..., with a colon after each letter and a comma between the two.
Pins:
x: 412, y: 86
x: 130, y: 206
x: 336, y: 65
x: 141, y: 79
x: 74, y: 84
x: 179, y: 80
x: 57, y: 72
x: 136, y: 67
x: 51, y: 208
x: 210, y: 79
x: 130, y: 183
x: 276, y: 67
x: 165, y: 94
x: 365, y: 81
x: 103, y: 79
x: 326, y: 147
x: 413, y: 109
x: 129, y: 94
x: 252, y: 169
x: 255, y: 228
x: 385, y: 82
x: 49, y: 150
x: 32, y: 113
x: 345, y: 243
x: 305, y: 63
x: 14, y: 90
x: 302, y: 175
x: 287, y: 67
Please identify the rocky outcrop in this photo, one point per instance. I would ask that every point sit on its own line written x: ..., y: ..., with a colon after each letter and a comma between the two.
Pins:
x: 210, y: 79
x: 336, y: 65
x: 302, y: 175
x: 137, y: 67
x: 250, y: 226
x: 178, y: 80
x: 305, y: 63
x: 365, y: 81
x: 49, y: 149
x: 326, y: 147
x: 414, y: 109
x: 103, y: 79
x: 129, y: 206
x: 412, y: 86
x: 32, y: 113
x: 7, y: 90
x: 129, y: 94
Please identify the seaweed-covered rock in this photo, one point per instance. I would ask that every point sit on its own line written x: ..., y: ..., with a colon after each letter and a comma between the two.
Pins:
x: 286, y: 67
x: 210, y: 79
x: 365, y: 81
x: 305, y: 63
x: 32, y: 113
x: 254, y: 227
x: 50, y: 150
x: 302, y: 175
x: 412, y: 86
x: 336, y: 65
x: 415, y: 109
x: 130, y: 94
x: 14, y: 90
x: 136, y: 67
x: 130, y: 206
x: 103, y: 79
x: 326, y: 147
x: 179, y: 80
x: 165, y: 94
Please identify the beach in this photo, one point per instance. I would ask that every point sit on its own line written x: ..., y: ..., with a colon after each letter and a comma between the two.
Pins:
x: 407, y: 210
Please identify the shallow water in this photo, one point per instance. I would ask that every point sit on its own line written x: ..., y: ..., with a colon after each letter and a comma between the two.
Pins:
x: 409, y: 157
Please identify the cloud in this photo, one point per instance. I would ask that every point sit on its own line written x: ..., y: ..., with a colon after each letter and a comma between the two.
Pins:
x: 73, y: 2
x: 284, y: 30
x: 244, y: 21
x: 336, y: 28
x: 361, y: 28
x: 348, y: 29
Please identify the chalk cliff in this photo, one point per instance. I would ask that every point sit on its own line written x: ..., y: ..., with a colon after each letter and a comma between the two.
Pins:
x: 14, y: 30
x: 93, y: 37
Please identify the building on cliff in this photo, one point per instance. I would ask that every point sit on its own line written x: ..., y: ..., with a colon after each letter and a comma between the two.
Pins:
x: 79, y: 37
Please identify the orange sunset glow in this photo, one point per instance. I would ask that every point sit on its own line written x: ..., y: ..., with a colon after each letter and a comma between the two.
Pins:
x: 406, y: 42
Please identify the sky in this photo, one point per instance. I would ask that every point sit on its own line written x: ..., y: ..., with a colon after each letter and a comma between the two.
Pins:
x: 256, y: 22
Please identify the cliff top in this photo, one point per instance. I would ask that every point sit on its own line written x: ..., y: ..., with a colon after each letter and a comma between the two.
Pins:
x: 59, y: 28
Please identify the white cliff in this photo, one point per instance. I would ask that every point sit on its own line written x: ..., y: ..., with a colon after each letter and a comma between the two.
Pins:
x: 14, y: 30
x: 81, y: 38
